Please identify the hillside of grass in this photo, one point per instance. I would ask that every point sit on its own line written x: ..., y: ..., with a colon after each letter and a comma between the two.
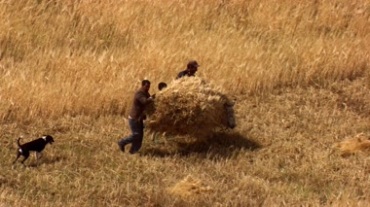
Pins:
x: 298, y: 72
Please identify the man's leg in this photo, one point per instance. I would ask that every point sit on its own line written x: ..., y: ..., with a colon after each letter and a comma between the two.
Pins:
x: 137, y: 138
x: 230, y: 116
x: 130, y: 139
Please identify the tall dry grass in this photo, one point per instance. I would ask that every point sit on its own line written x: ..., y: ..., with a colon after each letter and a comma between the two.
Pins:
x: 71, y: 53
x: 298, y: 70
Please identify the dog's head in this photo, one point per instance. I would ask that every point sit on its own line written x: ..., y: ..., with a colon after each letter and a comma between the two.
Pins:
x: 48, y: 138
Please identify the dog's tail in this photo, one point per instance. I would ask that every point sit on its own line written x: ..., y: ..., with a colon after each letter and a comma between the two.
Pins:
x: 18, y: 141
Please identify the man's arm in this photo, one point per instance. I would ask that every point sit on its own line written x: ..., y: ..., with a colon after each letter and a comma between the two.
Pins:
x: 180, y: 74
x: 144, y: 99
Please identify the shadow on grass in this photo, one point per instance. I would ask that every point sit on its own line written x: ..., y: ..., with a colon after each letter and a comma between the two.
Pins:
x: 219, y: 145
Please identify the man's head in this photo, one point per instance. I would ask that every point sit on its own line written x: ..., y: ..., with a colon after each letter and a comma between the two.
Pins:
x: 145, y: 84
x: 162, y: 85
x: 192, y: 67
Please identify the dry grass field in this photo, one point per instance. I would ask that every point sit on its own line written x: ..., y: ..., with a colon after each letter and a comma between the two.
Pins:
x: 298, y: 71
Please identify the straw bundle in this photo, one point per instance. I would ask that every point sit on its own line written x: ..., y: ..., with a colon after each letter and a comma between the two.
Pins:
x: 189, y: 187
x: 358, y: 143
x: 189, y: 106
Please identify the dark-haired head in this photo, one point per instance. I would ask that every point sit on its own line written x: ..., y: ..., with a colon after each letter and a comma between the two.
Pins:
x: 192, y: 67
x: 162, y: 85
x: 145, y: 82
x: 192, y: 64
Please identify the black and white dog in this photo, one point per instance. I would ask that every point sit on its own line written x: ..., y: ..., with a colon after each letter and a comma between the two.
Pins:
x: 36, y: 145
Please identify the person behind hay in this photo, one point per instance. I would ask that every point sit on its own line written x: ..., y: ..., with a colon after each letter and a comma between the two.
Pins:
x: 191, y: 69
x: 136, y: 118
x: 162, y: 85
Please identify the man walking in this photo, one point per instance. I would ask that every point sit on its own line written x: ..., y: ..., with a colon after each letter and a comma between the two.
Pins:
x: 136, y: 118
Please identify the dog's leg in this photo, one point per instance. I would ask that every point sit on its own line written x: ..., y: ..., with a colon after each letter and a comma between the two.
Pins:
x: 18, y: 155
x: 26, y: 154
x: 38, y: 156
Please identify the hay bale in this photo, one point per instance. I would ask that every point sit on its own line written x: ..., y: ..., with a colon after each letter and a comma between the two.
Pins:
x: 189, y: 106
x: 353, y: 145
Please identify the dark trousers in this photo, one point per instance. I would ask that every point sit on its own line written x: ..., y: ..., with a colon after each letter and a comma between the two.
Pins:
x: 136, y: 137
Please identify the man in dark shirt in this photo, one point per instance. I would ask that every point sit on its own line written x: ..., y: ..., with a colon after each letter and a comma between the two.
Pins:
x: 141, y: 99
x: 190, y: 70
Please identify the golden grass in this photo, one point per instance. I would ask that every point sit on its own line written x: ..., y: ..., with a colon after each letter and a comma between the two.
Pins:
x: 298, y: 70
